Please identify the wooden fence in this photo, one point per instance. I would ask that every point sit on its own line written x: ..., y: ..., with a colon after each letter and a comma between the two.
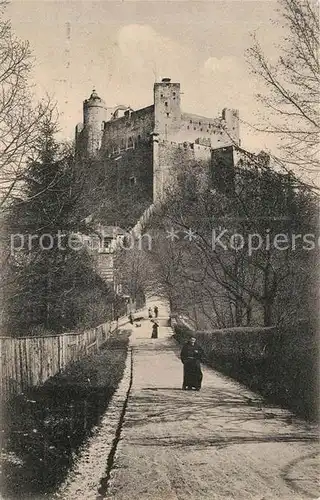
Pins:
x: 29, y: 361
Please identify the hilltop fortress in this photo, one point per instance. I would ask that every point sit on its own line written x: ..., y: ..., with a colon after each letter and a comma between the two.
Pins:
x: 143, y: 145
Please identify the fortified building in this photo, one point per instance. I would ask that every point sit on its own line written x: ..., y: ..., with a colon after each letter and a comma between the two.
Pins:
x: 143, y: 146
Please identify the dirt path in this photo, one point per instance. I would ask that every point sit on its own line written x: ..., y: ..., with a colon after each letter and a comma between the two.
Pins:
x: 220, y: 443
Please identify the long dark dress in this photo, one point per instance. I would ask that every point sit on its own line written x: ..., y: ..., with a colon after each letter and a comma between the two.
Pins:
x: 192, y: 375
x: 154, y: 331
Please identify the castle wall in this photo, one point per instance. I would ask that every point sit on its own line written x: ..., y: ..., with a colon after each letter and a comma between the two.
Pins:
x: 173, y: 158
x: 223, y: 161
x: 129, y: 183
x: 128, y: 131
x: 135, y: 168
x: 210, y: 131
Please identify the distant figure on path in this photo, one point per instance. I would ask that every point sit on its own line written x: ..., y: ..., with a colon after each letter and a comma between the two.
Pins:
x: 154, y: 334
x: 150, y: 312
x: 156, y: 311
x: 191, y: 355
x: 131, y: 318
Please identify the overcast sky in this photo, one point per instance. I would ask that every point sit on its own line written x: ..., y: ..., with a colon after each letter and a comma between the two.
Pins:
x: 120, y: 48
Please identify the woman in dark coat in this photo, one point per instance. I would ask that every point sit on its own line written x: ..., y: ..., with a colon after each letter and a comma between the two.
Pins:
x: 154, y: 331
x: 191, y: 355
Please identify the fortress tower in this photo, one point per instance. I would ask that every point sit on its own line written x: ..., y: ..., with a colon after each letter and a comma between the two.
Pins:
x: 167, y: 111
x: 94, y: 116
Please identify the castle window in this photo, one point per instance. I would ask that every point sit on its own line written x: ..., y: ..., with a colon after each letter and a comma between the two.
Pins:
x: 166, y: 103
x: 161, y: 95
x: 199, y: 123
x: 168, y: 114
x: 190, y: 121
x: 201, y: 129
x: 173, y: 93
x: 103, y: 124
x: 132, y: 181
x: 209, y: 125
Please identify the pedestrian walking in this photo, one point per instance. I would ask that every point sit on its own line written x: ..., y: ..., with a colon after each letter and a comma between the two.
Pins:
x: 154, y: 334
x: 156, y: 311
x: 191, y: 355
x: 131, y: 318
x: 150, y: 312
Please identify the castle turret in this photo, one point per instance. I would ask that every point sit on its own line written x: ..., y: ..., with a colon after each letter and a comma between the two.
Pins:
x: 167, y: 111
x: 94, y: 115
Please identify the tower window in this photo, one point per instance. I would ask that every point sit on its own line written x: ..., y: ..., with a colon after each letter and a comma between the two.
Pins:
x: 166, y: 103
x: 173, y: 93
x: 199, y: 123
x: 161, y: 95
x: 168, y: 114
x: 190, y: 121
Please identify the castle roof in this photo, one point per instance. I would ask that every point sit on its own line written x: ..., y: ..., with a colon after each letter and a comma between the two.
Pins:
x: 94, y: 95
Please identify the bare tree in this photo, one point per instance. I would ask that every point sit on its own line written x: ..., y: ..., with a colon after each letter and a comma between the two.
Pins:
x: 292, y: 85
x: 228, y: 282
x: 19, y: 119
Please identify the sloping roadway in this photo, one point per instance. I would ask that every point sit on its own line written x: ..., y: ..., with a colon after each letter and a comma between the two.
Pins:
x: 220, y: 443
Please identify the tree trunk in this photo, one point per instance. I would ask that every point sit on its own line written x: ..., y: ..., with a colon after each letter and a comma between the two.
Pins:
x: 249, y: 314
x: 238, y: 312
x: 267, y: 313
